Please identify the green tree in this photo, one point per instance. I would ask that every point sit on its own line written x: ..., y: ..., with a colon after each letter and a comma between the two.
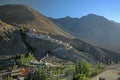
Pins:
x: 100, y: 66
x: 14, y: 66
x: 44, y: 75
x: 80, y: 77
x: 41, y: 74
x: 9, y: 78
x: 22, y: 30
x: 30, y: 56
x: 82, y: 70
x: 51, y: 74
x: 22, y: 59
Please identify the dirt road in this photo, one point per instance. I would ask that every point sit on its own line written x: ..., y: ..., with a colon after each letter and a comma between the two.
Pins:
x: 110, y: 73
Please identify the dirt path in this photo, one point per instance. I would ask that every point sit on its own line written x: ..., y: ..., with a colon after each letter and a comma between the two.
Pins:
x: 110, y: 73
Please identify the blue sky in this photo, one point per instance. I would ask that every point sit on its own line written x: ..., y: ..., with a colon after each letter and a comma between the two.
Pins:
x: 74, y: 8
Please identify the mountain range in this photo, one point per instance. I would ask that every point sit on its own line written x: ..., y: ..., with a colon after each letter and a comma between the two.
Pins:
x: 23, y: 29
x: 92, y: 28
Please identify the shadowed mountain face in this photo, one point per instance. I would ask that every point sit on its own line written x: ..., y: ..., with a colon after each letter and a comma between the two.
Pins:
x: 40, y: 36
x: 92, y: 28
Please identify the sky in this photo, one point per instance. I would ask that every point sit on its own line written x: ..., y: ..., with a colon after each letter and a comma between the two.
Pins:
x: 74, y: 8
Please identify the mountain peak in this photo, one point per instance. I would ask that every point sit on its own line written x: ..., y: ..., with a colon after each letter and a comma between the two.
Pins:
x: 92, y: 14
x: 16, y: 13
x: 15, y: 5
x: 68, y: 17
x: 25, y: 16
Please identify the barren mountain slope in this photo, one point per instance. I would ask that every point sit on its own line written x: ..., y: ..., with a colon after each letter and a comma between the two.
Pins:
x: 25, y: 16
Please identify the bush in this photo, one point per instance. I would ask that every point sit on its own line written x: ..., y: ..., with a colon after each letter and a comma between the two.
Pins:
x: 100, y: 66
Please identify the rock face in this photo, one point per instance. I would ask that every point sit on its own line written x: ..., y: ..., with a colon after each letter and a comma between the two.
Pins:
x: 10, y: 40
x: 22, y: 29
